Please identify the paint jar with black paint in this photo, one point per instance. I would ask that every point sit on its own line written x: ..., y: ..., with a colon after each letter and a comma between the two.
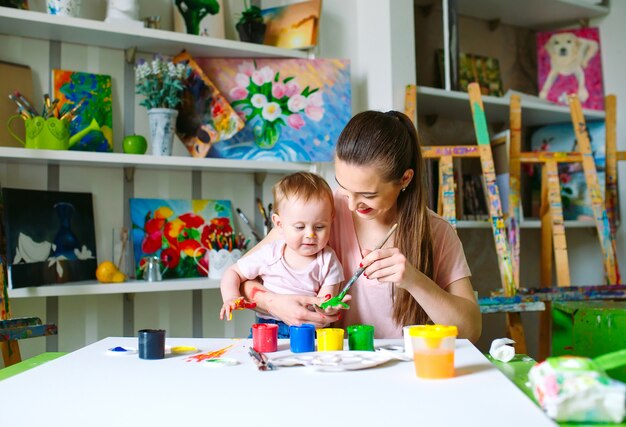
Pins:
x: 151, y: 344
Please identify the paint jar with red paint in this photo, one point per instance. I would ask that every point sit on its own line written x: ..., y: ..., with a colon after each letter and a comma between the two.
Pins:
x: 302, y: 338
x: 265, y: 337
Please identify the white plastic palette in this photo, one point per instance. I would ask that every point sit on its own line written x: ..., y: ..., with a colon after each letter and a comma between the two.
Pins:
x: 334, y: 361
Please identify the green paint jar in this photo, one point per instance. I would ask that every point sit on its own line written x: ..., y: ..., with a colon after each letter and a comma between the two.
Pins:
x: 361, y: 337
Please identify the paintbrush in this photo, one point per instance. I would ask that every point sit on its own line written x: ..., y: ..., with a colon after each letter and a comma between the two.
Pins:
x: 334, y: 301
x: 261, y: 360
x: 263, y: 214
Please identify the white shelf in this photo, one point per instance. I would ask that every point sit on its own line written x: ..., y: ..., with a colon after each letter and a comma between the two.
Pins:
x: 146, y: 161
x: 536, y: 224
x: 25, y: 23
x: 533, y: 14
x: 96, y: 288
x: 455, y: 105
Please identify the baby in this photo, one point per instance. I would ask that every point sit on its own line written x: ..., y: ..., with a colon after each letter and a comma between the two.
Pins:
x: 300, y: 262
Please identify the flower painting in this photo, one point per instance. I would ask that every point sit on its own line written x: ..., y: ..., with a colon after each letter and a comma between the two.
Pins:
x: 294, y: 109
x: 50, y: 237
x: 180, y: 233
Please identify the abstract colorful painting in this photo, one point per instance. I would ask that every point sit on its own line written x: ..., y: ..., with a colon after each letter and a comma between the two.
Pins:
x: 294, y: 109
x: 574, y: 195
x: 180, y: 233
x: 204, y: 116
x: 569, y: 62
x: 293, y: 26
x: 50, y: 237
x: 96, y: 113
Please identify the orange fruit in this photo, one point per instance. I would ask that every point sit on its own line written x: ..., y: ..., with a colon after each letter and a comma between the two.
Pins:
x: 118, y: 277
x: 105, y: 272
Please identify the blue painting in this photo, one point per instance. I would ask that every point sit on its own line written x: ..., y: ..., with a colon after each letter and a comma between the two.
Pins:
x: 574, y: 195
x: 50, y: 237
x: 294, y: 109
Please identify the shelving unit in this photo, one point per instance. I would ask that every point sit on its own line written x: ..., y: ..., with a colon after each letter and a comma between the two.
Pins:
x: 39, y: 25
x: 132, y: 286
x: 455, y: 105
x: 118, y: 160
x: 169, y: 174
x: 529, y: 224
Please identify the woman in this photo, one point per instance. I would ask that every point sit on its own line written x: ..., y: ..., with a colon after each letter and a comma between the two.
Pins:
x: 420, y: 273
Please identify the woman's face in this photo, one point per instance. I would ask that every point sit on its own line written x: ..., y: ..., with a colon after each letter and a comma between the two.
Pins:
x: 368, y: 196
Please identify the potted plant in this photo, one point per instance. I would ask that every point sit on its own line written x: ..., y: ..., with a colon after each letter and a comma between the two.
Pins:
x: 161, y: 82
x: 250, y: 26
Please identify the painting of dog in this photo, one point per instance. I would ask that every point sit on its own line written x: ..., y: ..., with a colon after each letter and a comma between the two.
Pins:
x: 569, y: 62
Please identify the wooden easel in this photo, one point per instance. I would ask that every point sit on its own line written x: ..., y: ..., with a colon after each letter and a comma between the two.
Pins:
x: 551, y: 212
x: 446, y: 203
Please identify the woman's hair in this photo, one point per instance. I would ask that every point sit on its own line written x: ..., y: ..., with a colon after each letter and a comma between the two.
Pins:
x: 303, y: 186
x: 389, y: 143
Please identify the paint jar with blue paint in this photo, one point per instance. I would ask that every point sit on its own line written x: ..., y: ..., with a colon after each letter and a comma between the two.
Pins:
x: 360, y: 337
x: 302, y: 338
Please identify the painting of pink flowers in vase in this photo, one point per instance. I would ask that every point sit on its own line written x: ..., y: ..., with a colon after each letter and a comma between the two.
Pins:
x: 294, y: 109
x: 180, y: 233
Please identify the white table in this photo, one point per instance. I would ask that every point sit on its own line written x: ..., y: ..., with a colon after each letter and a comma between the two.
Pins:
x: 91, y: 387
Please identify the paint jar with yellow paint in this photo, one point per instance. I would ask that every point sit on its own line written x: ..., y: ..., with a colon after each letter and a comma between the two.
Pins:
x: 330, y: 339
x: 433, y: 350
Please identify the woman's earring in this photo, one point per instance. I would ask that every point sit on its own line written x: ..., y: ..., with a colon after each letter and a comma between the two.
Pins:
x: 403, y: 189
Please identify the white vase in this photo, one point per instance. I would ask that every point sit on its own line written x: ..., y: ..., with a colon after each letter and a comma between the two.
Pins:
x: 64, y: 7
x: 162, y: 127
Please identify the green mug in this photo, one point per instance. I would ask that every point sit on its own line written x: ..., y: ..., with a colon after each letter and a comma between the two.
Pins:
x: 49, y: 134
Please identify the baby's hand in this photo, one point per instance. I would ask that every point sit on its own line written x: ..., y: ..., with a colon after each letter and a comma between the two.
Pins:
x: 332, y: 306
x: 232, y: 304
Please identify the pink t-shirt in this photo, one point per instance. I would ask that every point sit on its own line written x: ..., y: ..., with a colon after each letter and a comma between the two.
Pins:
x: 269, y: 264
x: 372, y: 301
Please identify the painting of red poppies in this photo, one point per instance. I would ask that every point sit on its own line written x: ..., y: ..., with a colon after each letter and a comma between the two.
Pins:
x: 180, y: 233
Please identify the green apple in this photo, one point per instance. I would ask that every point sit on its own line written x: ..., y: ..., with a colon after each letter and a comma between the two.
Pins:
x: 135, y: 144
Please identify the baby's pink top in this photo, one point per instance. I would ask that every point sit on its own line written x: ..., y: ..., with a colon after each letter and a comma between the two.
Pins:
x: 372, y: 301
x: 268, y: 263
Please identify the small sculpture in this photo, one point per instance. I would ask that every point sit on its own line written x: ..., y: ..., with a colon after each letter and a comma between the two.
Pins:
x: 122, y: 10
x: 194, y: 11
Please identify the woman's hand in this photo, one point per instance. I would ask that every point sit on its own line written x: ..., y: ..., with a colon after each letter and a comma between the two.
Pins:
x: 297, y: 309
x: 390, y: 265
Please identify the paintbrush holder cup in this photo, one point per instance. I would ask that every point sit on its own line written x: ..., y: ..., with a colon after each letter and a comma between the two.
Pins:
x: 46, y: 134
x: 221, y: 260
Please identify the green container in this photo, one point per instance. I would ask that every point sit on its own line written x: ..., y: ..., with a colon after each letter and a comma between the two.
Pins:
x: 589, y: 329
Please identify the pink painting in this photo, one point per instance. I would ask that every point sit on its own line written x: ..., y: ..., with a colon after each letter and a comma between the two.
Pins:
x: 569, y: 62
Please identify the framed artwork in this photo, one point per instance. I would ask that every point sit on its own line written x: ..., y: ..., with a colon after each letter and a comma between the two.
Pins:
x: 574, y: 195
x: 569, y: 62
x: 204, y: 115
x: 50, y: 237
x: 95, y: 115
x: 198, y: 17
x: 180, y: 233
x: 15, y: 4
x: 294, y: 109
x: 483, y: 70
x: 294, y: 26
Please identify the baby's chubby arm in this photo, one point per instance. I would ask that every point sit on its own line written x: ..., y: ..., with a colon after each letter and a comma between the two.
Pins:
x: 229, y: 287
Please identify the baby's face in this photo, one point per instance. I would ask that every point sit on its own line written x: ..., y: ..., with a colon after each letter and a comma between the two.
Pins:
x: 305, y: 226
